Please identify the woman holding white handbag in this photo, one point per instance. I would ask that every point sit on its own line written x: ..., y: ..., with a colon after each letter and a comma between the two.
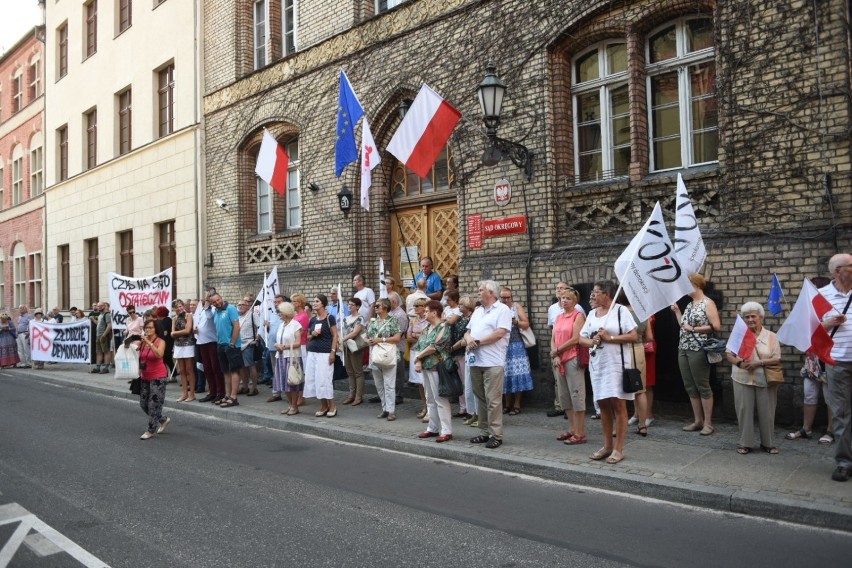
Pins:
x: 288, y: 359
x: 383, y: 334
x: 354, y: 344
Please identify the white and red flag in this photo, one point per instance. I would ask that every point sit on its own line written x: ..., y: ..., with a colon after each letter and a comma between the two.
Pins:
x: 369, y: 160
x: 424, y: 131
x: 742, y: 341
x: 648, y: 271
x: 803, y: 328
x: 272, y: 164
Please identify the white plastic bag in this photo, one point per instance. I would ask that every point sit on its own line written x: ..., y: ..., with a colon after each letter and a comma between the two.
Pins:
x: 126, y: 362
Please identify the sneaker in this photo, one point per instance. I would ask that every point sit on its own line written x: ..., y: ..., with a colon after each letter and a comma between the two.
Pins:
x: 104, y: 370
x: 391, y: 417
x: 469, y: 419
x: 475, y: 423
x: 554, y: 412
x: 163, y: 425
x: 633, y: 421
x: 383, y: 415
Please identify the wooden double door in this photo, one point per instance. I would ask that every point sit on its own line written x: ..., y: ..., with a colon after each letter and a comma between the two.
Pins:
x: 425, y: 230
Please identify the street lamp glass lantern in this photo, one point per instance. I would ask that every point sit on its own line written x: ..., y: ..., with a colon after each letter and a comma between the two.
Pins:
x: 491, y: 92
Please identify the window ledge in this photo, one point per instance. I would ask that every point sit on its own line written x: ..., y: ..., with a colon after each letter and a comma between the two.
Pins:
x: 688, y: 173
x: 287, y: 233
x: 260, y: 237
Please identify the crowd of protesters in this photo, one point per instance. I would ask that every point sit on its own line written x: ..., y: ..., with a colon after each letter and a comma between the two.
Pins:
x: 226, y: 351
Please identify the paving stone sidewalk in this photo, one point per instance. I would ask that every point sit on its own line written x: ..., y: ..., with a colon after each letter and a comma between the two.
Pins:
x: 669, y: 464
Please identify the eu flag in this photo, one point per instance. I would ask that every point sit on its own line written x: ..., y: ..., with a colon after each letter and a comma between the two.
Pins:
x: 775, y: 296
x: 349, y: 112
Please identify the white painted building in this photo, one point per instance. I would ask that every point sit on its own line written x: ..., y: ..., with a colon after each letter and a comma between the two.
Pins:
x: 122, y: 126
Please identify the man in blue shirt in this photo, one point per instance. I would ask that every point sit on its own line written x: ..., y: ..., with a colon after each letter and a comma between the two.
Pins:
x: 434, y: 287
x: 227, y: 321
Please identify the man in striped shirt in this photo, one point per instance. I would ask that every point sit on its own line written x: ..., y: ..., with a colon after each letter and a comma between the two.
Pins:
x: 838, y: 324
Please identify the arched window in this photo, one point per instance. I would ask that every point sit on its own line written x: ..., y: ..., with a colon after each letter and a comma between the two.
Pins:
x: 17, y: 175
x: 19, y: 276
x: 405, y: 183
x: 601, y: 112
x: 681, y: 75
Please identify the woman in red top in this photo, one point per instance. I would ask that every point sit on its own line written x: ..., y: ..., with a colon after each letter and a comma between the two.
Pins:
x: 154, y: 377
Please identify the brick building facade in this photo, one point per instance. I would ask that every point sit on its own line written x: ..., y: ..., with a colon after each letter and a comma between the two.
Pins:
x: 21, y: 174
x: 749, y: 102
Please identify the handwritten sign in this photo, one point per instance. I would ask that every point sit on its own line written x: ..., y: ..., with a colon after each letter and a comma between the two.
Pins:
x: 506, y: 226
x: 143, y: 293
x: 61, y: 342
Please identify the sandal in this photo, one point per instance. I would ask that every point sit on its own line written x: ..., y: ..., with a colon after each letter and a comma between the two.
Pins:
x: 707, y: 430
x: 615, y: 458
x: 575, y: 440
x: 643, y: 431
x: 742, y: 450
x: 481, y: 439
x: 565, y: 436
x: 601, y: 454
x: 769, y: 450
x: 800, y: 433
x: 514, y: 412
x: 252, y: 393
x: 229, y: 403
x: 694, y: 427
x: 826, y: 439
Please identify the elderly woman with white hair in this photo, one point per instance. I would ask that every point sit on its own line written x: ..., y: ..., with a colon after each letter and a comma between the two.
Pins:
x: 756, y: 376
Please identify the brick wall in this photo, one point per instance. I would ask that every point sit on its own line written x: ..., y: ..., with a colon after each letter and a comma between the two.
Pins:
x: 782, y: 92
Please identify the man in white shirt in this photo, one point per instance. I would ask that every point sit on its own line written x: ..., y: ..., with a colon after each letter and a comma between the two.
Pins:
x: 839, y: 376
x: 487, y: 339
x: 366, y: 295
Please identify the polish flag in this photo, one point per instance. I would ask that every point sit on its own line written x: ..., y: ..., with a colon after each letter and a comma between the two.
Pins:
x: 369, y: 160
x: 742, y: 341
x: 803, y: 328
x: 424, y: 131
x: 272, y: 164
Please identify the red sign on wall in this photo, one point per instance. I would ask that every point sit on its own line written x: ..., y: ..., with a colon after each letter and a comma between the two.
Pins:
x: 474, y: 231
x: 506, y: 226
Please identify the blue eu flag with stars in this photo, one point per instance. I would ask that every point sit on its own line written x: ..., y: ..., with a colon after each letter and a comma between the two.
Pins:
x: 775, y: 296
x: 349, y: 112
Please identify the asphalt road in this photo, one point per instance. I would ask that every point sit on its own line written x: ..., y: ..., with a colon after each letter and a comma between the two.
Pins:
x: 213, y: 493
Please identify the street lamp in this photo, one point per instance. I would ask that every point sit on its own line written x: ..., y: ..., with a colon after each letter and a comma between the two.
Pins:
x: 491, y: 93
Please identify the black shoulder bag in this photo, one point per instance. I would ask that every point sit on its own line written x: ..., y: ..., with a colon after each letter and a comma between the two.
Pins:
x: 631, y: 379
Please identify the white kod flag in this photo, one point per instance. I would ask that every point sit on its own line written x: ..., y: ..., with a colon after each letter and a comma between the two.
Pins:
x: 689, y: 246
x: 370, y: 158
x: 650, y: 275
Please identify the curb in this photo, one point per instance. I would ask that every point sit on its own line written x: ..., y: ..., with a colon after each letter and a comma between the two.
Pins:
x: 707, y: 497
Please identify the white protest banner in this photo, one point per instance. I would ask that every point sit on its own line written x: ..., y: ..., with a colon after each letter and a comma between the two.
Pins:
x: 264, y: 303
x: 143, y: 293
x: 689, y: 245
x: 61, y: 342
x: 649, y: 273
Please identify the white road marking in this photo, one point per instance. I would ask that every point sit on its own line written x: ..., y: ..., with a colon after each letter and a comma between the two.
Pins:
x: 14, y: 513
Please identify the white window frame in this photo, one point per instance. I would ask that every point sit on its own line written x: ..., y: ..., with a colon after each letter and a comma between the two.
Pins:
x: 19, y: 274
x: 390, y: 4
x: 18, y: 92
x: 18, y: 180
x: 264, y: 207
x: 36, y: 171
x: 681, y: 63
x: 35, y: 277
x: 604, y: 85
x: 293, y: 206
x: 258, y: 27
x: 35, y: 85
x: 285, y: 21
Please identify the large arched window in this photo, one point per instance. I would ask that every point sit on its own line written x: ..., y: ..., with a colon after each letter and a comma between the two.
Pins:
x: 681, y: 75
x: 405, y: 183
x: 601, y: 112
x: 19, y: 270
